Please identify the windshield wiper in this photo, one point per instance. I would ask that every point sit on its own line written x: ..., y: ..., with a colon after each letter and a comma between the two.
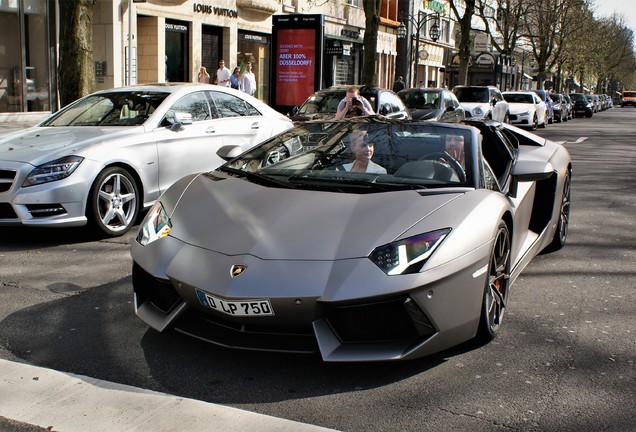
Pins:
x: 255, y: 178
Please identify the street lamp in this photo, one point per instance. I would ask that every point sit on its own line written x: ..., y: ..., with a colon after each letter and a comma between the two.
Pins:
x: 417, y: 23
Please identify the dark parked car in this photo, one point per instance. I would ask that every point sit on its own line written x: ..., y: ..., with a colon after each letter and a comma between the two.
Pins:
x: 559, y: 107
x: 434, y: 104
x: 582, y: 106
x: 544, y: 95
x: 323, y: 104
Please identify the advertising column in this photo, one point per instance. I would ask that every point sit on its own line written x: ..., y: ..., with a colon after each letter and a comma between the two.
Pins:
x: 297, y: 59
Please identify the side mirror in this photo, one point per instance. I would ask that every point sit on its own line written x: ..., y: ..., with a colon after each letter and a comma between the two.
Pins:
x: 295, y: 110
x: 450, y: 109
x: 493, y: 102
x: 384, y: 109
x: 182, y: 118
x: 229, y: 152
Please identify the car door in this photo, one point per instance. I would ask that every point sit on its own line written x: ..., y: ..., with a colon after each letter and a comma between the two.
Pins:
x: 238, y: 123
x: 188, y: 148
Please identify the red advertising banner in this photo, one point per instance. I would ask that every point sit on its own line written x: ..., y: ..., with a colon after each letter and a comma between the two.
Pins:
x: 295, y: 54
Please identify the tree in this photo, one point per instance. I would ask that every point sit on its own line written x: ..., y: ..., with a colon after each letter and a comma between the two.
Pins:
x: 372, y: 24
x: 465, y: 24
x: 508, y: 24
x: 76, y: 69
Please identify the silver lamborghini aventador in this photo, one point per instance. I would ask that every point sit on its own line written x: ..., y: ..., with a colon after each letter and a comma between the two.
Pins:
x: 363, y: 239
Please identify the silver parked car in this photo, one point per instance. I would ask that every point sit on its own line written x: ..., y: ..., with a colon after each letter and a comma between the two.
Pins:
x: 433, y: 104
x: 364, y: 239
x: 104, y: 157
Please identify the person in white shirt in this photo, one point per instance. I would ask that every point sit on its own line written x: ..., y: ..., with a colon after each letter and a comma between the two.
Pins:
x: 248, y: 81
x: 363, y: 152
x: 223, y: 74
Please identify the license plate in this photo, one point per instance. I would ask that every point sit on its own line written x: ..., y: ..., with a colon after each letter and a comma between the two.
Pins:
x: 254, y: 307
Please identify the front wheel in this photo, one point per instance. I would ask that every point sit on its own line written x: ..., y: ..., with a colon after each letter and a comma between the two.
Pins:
x: 113, y: 202
x: 535, y: 123
x: 497, y: 286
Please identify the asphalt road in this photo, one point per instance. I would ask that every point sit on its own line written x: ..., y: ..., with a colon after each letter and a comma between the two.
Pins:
x: 563, y: 361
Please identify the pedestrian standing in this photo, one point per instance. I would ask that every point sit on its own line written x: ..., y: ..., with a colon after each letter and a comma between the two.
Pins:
x: 204, y: 76
x: 223, y: 75
x: 235, y: 78
x: 399, y: 84
x: 248, y: 82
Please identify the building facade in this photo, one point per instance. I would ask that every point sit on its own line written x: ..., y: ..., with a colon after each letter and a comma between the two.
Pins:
x: 149, y: 41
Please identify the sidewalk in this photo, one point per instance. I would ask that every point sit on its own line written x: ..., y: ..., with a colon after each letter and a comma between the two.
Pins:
x: 10, y: 122
x: 67, y: 402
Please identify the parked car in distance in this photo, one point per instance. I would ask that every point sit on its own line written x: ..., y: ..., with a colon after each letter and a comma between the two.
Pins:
x: 569, y: 105
x: 526, y: 109
x: 483, y: 102
x: 433, y: 104
x: 594, y: 102
x: 544, y: 95
x: 581, y: 106
x: 559, y: 107
x: 628, y: 98
x: 103, y: 158
x: 323, y: 104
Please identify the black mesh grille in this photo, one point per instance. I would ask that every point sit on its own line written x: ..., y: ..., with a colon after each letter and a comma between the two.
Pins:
x: 385, y: 321
x: 45, y: 210
x: 6, y: 211
x: 160, y: 293
x: 6, y: 179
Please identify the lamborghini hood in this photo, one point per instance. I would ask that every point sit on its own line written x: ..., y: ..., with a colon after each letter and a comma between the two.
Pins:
x: 235, y: 217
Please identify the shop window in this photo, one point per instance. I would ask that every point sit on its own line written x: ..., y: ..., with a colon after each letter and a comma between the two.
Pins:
x: 228, y: 105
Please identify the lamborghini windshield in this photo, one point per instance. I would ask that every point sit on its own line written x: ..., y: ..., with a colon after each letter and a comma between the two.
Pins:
x: 362, y: 156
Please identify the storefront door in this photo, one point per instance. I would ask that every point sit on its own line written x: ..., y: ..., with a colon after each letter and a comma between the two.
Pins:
x: 177, y: 50
x: 24, y: 56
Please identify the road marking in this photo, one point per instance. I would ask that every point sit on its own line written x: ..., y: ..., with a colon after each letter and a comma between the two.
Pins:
x: 578, y: 141
x: 69, y: 403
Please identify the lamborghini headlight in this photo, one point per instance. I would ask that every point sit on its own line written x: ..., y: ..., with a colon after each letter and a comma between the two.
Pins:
x: 155, y: 226
x: 407, y: 255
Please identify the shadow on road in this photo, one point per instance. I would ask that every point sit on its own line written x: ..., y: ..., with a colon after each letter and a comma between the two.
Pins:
x: 96, y: 333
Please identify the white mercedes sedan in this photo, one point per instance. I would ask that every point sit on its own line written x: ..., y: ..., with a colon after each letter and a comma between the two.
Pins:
x: 103, y: 158
x: 526, y: 109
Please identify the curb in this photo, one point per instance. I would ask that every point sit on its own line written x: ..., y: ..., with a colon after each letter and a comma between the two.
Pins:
x: 67, y: 402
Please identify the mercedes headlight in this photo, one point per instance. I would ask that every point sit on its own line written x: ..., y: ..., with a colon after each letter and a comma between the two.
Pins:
x: 51, y: 171
x: 155, y: 226
x: 525, y: 113
x: 407, y: 255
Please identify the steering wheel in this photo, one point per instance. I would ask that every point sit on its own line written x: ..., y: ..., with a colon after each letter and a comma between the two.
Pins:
x: 450, y: 161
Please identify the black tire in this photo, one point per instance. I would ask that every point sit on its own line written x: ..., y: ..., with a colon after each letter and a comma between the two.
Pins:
x: 113, y: 202
x: 497, y: 286
x: 535, y: 123
x: 561, y: 233
x: 507, y: 119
